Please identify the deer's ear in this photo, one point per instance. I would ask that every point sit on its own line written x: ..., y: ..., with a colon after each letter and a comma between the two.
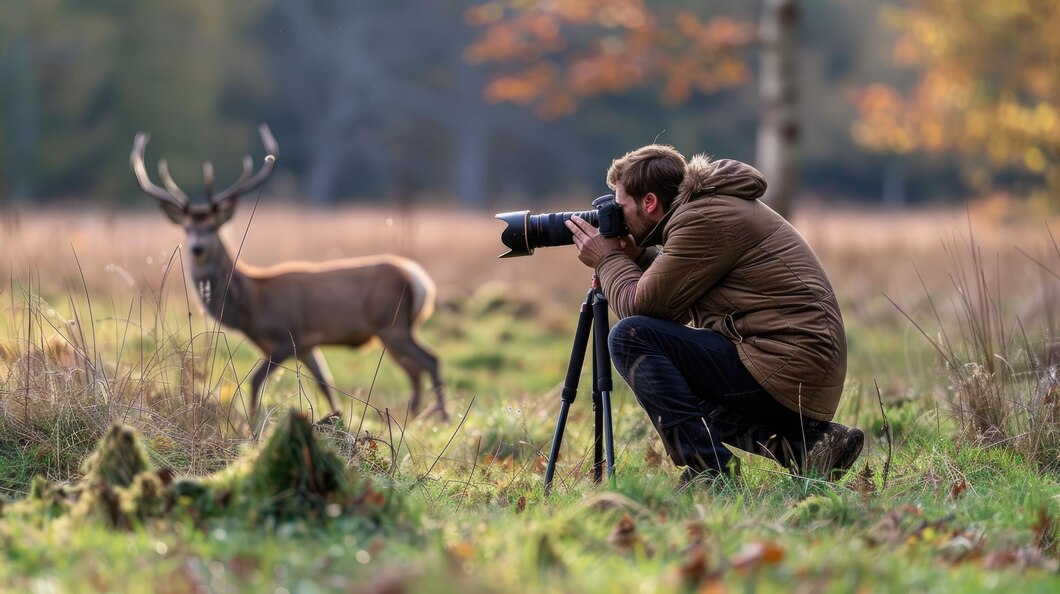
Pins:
x: 172, y: 211
x: 224, y: 210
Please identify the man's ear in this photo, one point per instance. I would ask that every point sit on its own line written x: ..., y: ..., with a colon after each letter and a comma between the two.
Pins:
x: 652, y: 204
x: 172, y: 212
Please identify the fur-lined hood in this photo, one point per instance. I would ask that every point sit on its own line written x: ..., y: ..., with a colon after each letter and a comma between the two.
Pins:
x: 725, y: 177
x: 704, y: 177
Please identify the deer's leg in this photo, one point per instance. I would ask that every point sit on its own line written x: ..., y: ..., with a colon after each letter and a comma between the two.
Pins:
x: 416, y: 359
x: 276, y: 357
x: 318, y: 366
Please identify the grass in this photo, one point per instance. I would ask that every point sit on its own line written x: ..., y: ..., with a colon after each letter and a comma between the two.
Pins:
x: 84, y: 349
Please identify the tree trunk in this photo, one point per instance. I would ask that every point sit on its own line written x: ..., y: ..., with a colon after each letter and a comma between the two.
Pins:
x: 325, y: 164
x: 779, y: 127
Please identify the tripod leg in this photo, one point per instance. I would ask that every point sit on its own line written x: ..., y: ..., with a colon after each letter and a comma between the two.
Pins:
x: 609, y: 438
x: 570, y: 383
x: 561, y: 422
x: 598, y: 436
x: 602, y: 380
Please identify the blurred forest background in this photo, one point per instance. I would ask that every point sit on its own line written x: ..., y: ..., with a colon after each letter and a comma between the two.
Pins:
x: 483, y: 104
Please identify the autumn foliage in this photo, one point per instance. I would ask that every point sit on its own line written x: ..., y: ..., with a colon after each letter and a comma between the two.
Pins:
x: 552, y: 55
x: 986, y: 87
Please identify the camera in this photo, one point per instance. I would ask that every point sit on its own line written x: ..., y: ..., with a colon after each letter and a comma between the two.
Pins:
x: 526, y: 232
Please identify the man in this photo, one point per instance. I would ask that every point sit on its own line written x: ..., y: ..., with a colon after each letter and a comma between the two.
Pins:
x: 730, y: 333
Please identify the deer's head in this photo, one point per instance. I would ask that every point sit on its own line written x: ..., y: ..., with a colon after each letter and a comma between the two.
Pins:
x: 202, y: 221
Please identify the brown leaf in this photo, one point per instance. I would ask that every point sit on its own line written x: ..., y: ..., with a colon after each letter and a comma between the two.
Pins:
x: 959, y: 487
x: 863, y: 484
x: 520, y: 505
x: 696, y: 532
x: 165, y: 475
x: 888, y: 530
x: 624, y: 535
x: 1045, y: 539
x: 651, y: 456
x: 695, y: 568
x: 757, y: 553
x: 713, y: 586
x: 961, y: 547
x: 461, y: 550
x: 540, y: 463
x: 1021, y: 558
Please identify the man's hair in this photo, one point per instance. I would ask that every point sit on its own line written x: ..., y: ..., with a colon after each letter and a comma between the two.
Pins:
x: 657, y: 168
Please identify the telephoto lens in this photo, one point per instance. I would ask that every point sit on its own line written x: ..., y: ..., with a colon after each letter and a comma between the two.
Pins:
x: 525, y: 232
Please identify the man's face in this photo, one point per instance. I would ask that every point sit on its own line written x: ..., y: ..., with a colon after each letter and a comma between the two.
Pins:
x: 637, y: 218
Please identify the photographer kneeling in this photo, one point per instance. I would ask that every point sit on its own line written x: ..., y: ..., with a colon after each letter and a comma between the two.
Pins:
x: 730, y: 333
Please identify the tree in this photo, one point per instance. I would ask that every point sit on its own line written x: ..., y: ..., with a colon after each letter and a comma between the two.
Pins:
x: 986, y: 88
x: 85, y: 76
x: 553, y: 55
x: 374, y: 113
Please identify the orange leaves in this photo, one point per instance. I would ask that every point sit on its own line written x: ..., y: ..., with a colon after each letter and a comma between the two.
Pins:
x: 551, y: 55
x: 756, y: 554
x: 522, y: 87
x: 986, y: 89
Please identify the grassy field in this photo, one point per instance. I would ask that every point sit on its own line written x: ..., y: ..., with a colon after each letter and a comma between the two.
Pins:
x: 950, y: 317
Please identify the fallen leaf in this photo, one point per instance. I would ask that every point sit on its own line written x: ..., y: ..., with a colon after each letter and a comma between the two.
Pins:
x: 1045, y: 538
x: 958, y: 489
x: 651, y: 456
x: 756, y: 554
x: 540, y: 463
x: 713, y: 586
x: 520, y: 505
x: 695, y: 569
x: 863, y: 484
x: 624, y: 535
x: 1021, y: 558
x: 461, y: 550
x: 961, y: 547
x: 888, y: 530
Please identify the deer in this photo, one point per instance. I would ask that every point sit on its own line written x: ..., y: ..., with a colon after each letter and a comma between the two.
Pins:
x: 293, y: 308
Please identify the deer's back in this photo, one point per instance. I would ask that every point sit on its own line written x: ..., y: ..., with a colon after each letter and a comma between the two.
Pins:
x: 341, y: 301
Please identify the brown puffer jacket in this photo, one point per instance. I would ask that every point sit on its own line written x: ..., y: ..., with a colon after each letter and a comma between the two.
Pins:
x: 731, y: 264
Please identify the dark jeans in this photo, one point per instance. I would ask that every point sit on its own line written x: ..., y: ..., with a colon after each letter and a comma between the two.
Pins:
x: 699, y: 395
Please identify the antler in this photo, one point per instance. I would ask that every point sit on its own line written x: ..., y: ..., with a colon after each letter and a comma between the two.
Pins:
x: 207, y: 175
x: 167, y: 180
x: 136, y: 158
x: 247, y: 182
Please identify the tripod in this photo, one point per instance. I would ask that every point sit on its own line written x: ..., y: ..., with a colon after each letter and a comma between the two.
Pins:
x: 593, y: 316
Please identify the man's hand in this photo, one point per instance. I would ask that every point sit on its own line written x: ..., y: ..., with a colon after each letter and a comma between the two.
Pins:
x: 592, y: 247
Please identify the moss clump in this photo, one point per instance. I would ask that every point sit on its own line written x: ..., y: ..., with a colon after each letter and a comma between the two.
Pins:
x: 294, y: 477
x: 120, y: 485
x: 119, y: 458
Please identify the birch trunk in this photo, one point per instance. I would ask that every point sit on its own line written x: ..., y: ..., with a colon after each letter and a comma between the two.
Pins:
x: 779, y: 128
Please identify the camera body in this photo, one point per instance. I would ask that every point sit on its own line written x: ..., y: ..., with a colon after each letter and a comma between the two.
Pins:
x: 526, y: 232
x: 609, y: 214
